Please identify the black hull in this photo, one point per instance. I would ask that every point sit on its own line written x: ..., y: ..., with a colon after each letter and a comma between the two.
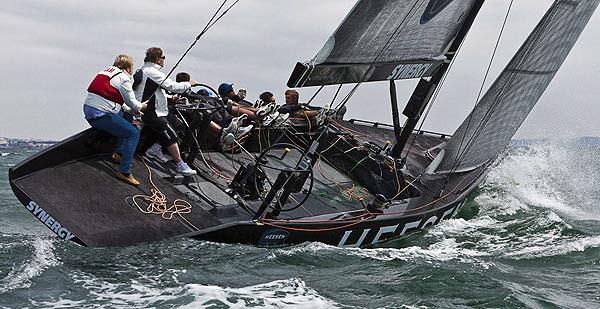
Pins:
x: 71, y: 188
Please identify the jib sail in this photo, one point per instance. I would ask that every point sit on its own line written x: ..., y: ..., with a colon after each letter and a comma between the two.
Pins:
x: 502, y: 110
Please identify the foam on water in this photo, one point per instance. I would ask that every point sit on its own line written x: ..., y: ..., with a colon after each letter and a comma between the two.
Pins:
x: 21, y: 274
x: 440, y: 251
x: 524, y: 209
x: 291, y: 293
x: 552, y: 176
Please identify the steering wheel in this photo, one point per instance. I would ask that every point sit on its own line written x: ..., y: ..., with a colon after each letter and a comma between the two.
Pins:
x: 284, y: 158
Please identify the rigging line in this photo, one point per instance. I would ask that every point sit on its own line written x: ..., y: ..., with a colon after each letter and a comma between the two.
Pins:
x: 348, y: 96
x: 198, y: 37
x: 336, y: 94
x: 527, y: 50
x: 209, y: 25
x: 401, y: 26
x: 456, y: 160
x: 316, y: 93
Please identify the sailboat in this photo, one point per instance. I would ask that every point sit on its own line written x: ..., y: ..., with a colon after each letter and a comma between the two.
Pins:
x: 347, y: 183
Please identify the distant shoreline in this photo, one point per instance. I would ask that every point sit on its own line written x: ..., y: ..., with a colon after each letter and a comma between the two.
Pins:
x: 18, y: 143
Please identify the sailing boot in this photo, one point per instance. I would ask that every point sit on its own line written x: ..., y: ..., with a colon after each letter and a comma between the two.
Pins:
x: 116, y: 157
x: 128, y: 179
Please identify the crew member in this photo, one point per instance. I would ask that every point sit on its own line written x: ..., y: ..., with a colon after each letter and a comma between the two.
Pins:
x: 153, y: 84
x: 108, y: 95
x: 294, y: 108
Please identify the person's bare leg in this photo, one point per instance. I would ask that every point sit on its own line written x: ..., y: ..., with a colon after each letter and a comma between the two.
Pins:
x: 214, y: 131
x: 237, y: 111
x: 174, y: 152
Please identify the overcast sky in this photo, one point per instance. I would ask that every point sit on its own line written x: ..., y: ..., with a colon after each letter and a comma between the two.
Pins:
x: 52, y: 50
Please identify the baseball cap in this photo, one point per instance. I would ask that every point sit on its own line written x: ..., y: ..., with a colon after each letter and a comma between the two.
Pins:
x: 225, y: 88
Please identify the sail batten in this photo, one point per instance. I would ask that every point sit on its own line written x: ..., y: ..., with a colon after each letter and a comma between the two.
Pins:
x: 386, y: 40
x: 498, y: 115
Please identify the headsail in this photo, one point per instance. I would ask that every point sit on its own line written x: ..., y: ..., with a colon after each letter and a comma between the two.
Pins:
x: 386, y: 40
x: 502, y: 110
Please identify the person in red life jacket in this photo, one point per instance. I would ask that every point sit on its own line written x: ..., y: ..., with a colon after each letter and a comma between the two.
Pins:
x: 152, y: 86
x: 109, y: 94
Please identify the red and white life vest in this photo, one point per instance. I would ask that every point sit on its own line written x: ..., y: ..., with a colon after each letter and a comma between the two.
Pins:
x: 102, y: 87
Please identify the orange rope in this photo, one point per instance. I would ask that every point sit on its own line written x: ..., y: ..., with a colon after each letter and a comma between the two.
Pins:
x: 157, y: 203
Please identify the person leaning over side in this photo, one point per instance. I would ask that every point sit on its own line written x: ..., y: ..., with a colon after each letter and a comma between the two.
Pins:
x: 236, y: 105
x: 294, y: 108
x: 108, y: 95
x: 153, y: 84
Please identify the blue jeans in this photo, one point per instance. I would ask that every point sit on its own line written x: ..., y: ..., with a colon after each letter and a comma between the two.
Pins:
x: 127, y: 136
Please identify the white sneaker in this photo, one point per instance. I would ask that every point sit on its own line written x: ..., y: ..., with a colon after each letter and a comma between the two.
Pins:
x: 241, y: 131
x: 227, y: 140
x: 158, y: 155
x: 265, y: 110
x: 185, y: 170
x: 235, y: 124
x: 280, y: 120
x: 266, y: 121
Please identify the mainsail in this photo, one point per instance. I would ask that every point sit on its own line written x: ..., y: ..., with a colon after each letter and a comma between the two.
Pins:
x: 386, y: 40
x: 504, y: 107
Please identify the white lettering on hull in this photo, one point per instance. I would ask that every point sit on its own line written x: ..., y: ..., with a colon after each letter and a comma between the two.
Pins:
x: 49, y: 221
x: 392, y: 229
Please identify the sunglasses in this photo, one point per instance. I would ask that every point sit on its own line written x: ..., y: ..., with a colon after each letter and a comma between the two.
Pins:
x: 162, y: 57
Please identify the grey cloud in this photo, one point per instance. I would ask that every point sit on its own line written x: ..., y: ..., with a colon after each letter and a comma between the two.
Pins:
x: 56, y: 47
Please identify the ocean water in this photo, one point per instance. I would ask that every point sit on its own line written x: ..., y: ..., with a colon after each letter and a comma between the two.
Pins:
x: 529, y: 237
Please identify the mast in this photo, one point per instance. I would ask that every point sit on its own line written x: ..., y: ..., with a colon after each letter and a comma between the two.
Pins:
x: 427, y: 85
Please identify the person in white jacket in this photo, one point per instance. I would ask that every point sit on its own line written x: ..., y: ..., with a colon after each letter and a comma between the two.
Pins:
x: 152, y: 86
x: 109, y: 93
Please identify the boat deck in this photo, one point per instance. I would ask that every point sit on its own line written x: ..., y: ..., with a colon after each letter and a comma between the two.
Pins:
x: 101, y: 211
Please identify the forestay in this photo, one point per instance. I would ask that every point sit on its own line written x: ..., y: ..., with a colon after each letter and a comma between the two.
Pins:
x: 502, y: 110
x: 385, y: 40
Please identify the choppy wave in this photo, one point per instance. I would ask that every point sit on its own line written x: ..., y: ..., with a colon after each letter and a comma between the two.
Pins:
x: 22, y: 273
x: 527, y: 207
x: 290, y: 293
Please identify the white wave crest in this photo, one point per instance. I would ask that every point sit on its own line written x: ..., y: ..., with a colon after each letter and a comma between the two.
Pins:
x: 291, y: 293
x: 555, y: 248
x: 545, y: 175
x: 21, y: 275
